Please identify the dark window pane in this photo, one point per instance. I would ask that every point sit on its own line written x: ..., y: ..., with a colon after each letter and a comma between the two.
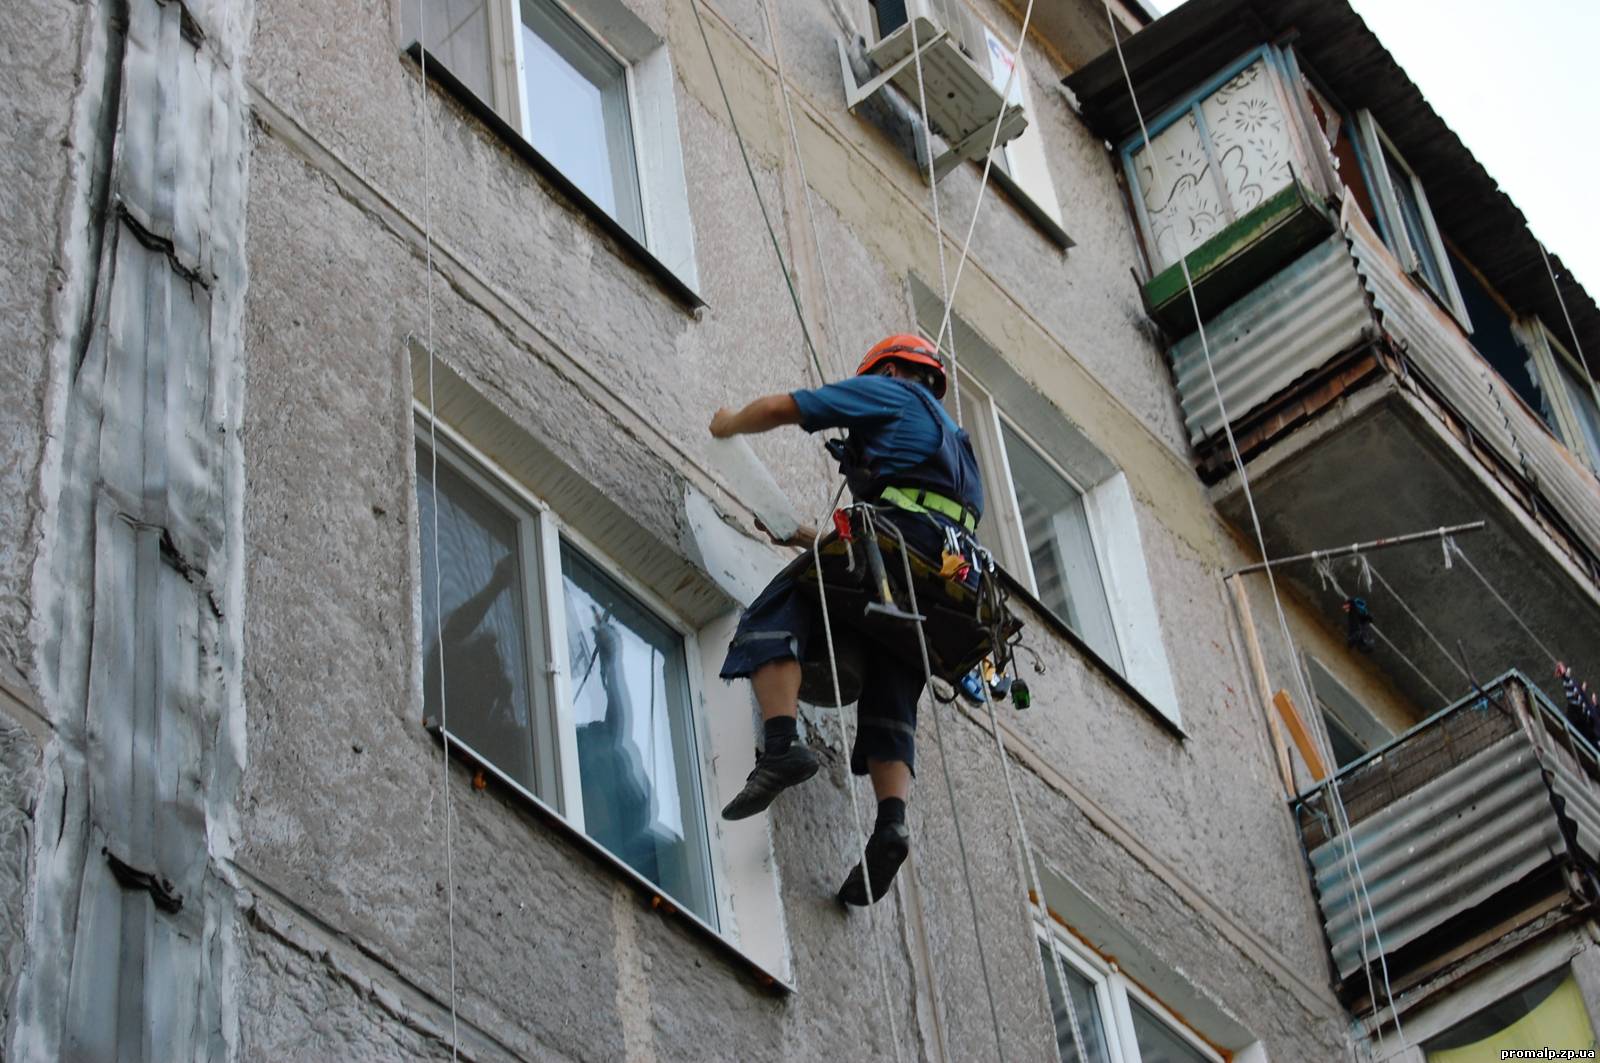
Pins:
x: 637, y: 760
x: 1405, y: 194
x: 1493, y: 338
x: 1345, y: 748
x: 1158, y: 1042
x: 487, y: 702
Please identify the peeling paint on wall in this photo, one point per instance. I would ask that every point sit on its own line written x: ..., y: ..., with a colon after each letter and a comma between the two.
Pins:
x: 130, y: 933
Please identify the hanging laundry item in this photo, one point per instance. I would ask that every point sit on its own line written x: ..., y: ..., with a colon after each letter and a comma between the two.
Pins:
x: 1359, y: 634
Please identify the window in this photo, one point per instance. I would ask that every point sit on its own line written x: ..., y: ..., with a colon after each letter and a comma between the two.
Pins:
x: 1020, y: 165
x: 597, y: 108
x: 1047, y: 543
x: 610, y: 740
x: 1406, y: 219
x: 1353, y: 731
x: 1060, y: 516
x: 1117, y: 1021
x: 1550, y: 1011
x: 1211, y: 160
x: 1584, y: 435
x: 576, y: 109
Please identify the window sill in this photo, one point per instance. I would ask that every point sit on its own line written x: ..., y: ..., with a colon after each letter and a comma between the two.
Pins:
x: 1059, y: 626
x: 1030, y: 207
x: 658, y: 901
x: 503, y: 130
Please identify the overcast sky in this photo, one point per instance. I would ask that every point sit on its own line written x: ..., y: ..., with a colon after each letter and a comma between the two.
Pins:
x: 1519, y: 82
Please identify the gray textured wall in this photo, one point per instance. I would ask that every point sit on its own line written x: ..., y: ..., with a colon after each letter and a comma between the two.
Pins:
x: 333, y: 920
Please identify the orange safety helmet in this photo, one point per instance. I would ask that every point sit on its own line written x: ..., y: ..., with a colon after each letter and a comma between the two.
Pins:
x: 904, y: 347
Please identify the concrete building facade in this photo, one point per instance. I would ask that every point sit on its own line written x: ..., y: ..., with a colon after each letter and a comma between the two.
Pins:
x: 361, y: 365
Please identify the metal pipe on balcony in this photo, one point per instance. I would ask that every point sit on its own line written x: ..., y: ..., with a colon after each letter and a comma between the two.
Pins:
x: 1362, y: 548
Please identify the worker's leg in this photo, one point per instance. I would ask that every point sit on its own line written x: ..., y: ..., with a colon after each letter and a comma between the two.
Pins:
x: 890, y: 778
x: 885, y: 749
x: 771, y: 638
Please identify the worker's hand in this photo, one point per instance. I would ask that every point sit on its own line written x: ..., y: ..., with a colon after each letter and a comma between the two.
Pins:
x: 1562, y: 671
x: 722, y: 423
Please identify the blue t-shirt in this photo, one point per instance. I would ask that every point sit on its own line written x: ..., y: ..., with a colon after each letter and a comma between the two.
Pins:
x: 895, y: 428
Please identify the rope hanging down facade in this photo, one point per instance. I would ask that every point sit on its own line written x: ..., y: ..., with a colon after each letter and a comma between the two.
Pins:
x: 438, y: 577
x: 1302, y: 683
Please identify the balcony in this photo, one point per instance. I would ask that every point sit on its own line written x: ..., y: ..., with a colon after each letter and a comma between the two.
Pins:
x: 1362, y: 410
x: 1469, y: 834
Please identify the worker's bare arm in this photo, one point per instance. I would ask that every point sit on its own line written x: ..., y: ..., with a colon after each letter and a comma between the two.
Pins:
x: 762, y: 415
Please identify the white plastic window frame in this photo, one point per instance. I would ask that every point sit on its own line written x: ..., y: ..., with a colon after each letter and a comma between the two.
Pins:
x: 1374, y: 146
x: 542, y: 590
x: 1013, y: 550
x: 1113, y: 990
x: 1113, y: 535
x: 652, y: 113
x: 1548, y: 351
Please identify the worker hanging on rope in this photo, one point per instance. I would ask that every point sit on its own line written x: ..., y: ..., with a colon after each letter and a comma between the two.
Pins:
x: 906, y: 456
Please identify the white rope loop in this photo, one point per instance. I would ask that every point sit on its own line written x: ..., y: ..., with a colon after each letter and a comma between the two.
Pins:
x: 438, y: 577
x: 1302, y: 683
x: 1030, y: 864
x: 849, y: 776
x: 950, y: 790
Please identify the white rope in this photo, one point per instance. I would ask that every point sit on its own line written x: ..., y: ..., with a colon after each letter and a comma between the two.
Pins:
x: 933, y: 189
x: 1462, y: 554
x: 849, y: 776
x: 438, y: 577
x: 1577, y: 347
x: 1301, y: 681
x: 1032, y: 867
x: 983, y: 185
x: 950, y: 790
x: 839, y: 365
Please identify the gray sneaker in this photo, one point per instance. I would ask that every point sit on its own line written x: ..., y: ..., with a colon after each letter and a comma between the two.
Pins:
x: 771, y: 776
x: 886, y: 851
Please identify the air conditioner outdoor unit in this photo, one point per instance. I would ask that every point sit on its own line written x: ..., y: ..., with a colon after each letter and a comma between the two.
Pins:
x: 964, y: 103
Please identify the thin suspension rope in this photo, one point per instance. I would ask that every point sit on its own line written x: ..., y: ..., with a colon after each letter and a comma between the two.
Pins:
x: 772, y: 233
x: 805, y: 186
x: 1577, y: 347
x: 850, y: 783
x: 1455, y: 548
x: 1301, y: 681
x: 983, y: 185
x: 950, y: 790
x: 1030, y: 864
x: 438, y: 570
x: 933, y: 190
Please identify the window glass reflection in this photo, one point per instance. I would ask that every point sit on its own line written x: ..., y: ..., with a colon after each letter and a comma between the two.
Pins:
x: 1158, y: 1042
x: 480, y: 581
x: 1091, y: 1024
x: 636, y: 750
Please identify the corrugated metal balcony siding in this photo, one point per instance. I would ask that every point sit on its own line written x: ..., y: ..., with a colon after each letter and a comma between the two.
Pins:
x: 1293, y: 324
x: 1439, y: 849
x: 1441, y: 352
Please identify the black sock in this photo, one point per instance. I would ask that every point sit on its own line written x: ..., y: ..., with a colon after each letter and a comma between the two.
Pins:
x: 891, y: 810
x: 778, y: 733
